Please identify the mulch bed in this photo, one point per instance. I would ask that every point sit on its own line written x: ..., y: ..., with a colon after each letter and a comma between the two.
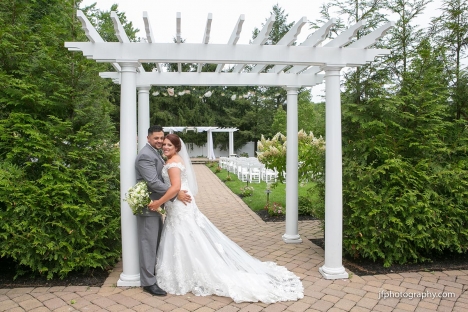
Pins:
x: 446, y: 262
x: 93, y: 278
x: 267, y: 218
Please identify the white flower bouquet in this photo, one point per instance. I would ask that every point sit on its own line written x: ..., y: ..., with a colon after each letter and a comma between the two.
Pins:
x: 137, y: 197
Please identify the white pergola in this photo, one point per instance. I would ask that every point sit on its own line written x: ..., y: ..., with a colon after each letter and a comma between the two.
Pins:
x: 209, y: 137
x: 294, y: 66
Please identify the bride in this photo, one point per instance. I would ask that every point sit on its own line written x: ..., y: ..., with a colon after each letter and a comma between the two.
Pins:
x: 194, y: 256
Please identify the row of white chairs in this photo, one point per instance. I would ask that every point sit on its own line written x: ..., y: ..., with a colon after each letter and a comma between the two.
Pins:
x: 248, y: 169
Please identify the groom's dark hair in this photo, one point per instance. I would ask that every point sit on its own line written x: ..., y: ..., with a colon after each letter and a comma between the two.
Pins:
x: 155, y: 128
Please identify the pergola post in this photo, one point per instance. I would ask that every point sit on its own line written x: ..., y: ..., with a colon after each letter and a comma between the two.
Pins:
x: 292, y: 235
x: 209, y: 145
x: 143, y: 115
x: 333, y: 268
x: 128, y: 152
x: 231, y: 143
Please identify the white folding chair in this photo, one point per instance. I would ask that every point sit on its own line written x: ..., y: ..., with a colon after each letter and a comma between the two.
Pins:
x: 254, y: 174
x: 223, y: 162
x: 270, y: 175
x: 243, y: 171
x: 232, y: 165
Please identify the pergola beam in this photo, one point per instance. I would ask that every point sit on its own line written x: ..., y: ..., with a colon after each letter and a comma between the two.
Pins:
x: 346, y: 36
x: 120, y: 32
x: 206, y: 37
x: 234, y: 37
x: 118, y: 27
x: 370, y: 39
x: 312, y: 41
x: 261, y: 38
x: 286, y: 40
x: 91, y: 33
x: 222, y: 53
x: 149, y: 33
x: 179, y: 35
x: 219, y: 79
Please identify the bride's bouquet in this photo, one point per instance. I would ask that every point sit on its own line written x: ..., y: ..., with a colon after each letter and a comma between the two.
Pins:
x: 138, y: 198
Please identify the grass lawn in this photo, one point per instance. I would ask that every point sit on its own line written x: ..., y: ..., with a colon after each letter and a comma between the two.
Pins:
x: 258, y: 199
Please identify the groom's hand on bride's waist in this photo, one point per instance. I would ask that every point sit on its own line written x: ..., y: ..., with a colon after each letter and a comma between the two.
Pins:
x: 184, y: 197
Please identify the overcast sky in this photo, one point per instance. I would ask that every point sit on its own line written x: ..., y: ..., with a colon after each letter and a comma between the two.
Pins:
x: 194, y: 13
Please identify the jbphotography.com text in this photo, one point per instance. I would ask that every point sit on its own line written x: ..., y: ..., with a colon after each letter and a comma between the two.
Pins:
x: 384, y: 294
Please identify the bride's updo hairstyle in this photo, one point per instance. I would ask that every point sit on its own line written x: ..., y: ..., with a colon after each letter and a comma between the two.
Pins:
x: 175, y: 140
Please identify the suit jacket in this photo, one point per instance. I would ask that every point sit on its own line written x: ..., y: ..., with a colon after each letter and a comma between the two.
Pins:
x: 148, y: 165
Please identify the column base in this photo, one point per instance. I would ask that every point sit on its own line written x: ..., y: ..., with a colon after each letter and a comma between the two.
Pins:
x: 292, y: 239
x: 129, y: 280
x: 333, y: 273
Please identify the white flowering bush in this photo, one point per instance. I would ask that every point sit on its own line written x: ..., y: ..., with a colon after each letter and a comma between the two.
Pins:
x: 311, y: 150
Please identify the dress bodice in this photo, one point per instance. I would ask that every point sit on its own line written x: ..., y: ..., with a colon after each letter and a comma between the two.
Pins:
x: 183, y: 175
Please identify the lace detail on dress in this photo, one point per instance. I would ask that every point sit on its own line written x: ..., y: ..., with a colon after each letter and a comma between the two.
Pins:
x: 194, y: 256
x: 183, y: 174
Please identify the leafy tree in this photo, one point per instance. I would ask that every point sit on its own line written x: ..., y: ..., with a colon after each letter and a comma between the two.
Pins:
x: 359, y: 82
x: 399, y: 205
x: 275, y: 96
x: 102, y: 21
x: 450, y: 30
x: 405, y: 36
x: 311, y: 117
x: 279, y: 121
x: 400, y: 147
x: 59, y: 183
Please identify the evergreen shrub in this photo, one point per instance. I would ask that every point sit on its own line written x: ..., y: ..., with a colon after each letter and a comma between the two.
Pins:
x: 59, y: 197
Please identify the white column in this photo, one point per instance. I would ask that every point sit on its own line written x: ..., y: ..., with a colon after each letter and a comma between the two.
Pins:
x: 143, y: 115
x: 231, y: 143
x: 128, y: 151
x: 207, y: 144
x: 333, y: 267
x: 211, y: 154
x: 292, y: 196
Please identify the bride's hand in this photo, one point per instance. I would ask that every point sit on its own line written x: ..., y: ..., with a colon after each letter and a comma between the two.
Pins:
x: 154, y: 205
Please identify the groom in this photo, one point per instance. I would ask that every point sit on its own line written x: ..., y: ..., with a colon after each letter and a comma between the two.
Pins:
x: 148, y: 165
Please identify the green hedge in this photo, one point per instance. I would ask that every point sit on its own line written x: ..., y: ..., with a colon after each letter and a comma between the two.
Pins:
x: 59, y: 197
x: 399, y: 212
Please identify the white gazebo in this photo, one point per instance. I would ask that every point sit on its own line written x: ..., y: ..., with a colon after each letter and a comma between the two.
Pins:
x: 209, y: 137
x: 294, y: 66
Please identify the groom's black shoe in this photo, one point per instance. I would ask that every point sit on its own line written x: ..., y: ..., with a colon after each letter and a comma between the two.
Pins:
x: 154, y: 290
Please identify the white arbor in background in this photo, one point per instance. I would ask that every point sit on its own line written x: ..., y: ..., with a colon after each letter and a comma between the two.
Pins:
x: 294, y: 66
x: 209, y: 137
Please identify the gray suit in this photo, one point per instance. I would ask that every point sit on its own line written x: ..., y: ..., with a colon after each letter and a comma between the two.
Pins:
x: 148, y: 165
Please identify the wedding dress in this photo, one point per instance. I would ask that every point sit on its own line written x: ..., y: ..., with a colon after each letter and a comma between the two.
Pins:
x: 194, y: 256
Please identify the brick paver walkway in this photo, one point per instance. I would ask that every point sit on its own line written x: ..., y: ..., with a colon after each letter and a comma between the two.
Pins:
x: 263, y: 240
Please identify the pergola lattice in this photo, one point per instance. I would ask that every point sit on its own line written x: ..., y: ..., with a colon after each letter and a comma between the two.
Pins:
x: 303, y: 63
